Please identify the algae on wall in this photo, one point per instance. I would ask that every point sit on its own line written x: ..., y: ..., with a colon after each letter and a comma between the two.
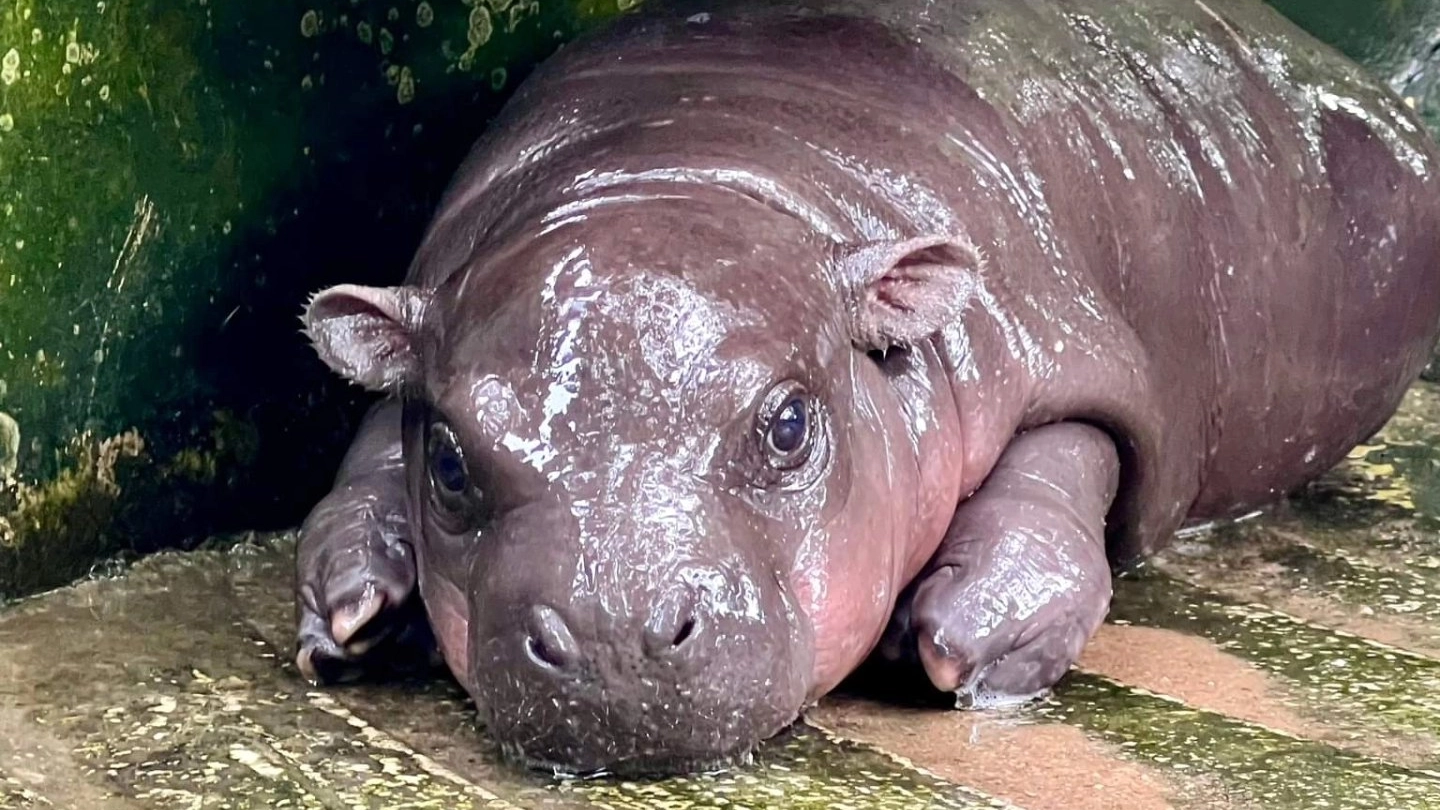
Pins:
x: 1399, y: 40
x: 175, y: 177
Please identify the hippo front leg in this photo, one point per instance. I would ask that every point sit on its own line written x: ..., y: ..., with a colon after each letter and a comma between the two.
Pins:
x: 1021, y: 581
x: 358, y: 610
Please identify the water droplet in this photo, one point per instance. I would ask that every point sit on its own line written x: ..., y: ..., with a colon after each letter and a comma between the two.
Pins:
x: 306, y: 82
x: 36, y: 36
x: 7, y: 122
x: 10, y: 66
x: 226, y: 227
x: 72, y: 53
x: 497, y: 78
x: 406, y: 91
x: 393, y: 14
x: 310, y: 24
x: 365, y: 33
x: 387, y: 41
x: 424, y: 15
x: 104, y: 92
x: 626, y: 5
x: 9, y: 445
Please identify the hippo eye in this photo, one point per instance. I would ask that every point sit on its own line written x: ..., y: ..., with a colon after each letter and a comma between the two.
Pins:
x: 448, y: 473
x: 788, y: 437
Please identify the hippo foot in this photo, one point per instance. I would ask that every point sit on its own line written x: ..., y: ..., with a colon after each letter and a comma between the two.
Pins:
x: 1001, y: 637
x: 360, y: 614
x: 1021, y: 581
x: 349, y: 633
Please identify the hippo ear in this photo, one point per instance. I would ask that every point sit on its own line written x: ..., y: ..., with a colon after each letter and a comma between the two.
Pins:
x: 906, y: 290
x: 367, y: 334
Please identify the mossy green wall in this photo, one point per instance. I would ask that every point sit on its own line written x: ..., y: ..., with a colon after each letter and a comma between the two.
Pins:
x: 175, y: 176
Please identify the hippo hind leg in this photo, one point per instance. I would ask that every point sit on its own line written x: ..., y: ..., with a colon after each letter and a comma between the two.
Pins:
x: 1021, y: 581
x: 358, y: 609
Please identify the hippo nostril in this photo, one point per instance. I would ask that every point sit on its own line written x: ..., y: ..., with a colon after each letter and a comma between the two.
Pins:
x: 686, y: 630
x: 549, y: 643
x: 541, y: 653
x: 671, y: 633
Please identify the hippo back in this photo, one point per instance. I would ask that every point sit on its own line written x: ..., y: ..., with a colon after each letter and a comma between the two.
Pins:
x: 1204, y: 230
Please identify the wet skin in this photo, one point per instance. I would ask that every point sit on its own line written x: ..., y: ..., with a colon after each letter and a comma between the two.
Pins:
x: 757, y: 338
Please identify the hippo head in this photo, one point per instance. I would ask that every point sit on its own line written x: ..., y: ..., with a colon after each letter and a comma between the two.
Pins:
x: 663, y: 464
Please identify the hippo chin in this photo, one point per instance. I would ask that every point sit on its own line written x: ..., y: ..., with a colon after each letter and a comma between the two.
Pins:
x: 755, y: 338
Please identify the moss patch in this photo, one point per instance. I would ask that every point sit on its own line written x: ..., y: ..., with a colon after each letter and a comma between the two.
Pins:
x: 92, y: 513
x: 51, y: 532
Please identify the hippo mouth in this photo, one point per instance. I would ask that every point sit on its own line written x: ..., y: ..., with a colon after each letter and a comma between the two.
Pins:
x: 662, y: 741
x: 620, y: 710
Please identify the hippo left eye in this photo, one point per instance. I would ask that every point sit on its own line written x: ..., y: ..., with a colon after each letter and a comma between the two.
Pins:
x: 788, y: 436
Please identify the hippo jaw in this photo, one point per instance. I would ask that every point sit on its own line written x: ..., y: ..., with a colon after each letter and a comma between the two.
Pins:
x: 597, y: 456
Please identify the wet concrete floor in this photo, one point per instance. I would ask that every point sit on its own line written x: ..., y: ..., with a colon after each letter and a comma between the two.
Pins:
x: 1288, y: 661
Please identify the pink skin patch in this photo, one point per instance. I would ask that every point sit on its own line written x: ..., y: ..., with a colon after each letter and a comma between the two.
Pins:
x: 847, y: 588
x: 449, y: 619
x: 848, y: 618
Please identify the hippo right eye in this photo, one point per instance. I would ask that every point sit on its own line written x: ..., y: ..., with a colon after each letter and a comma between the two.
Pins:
x: 788, y: 427
x: 450, y: 471
x: 449, y: 476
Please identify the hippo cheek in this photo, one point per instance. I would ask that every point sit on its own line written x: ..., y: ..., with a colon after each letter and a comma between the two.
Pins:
x: 447, y: 607
x: 708, y: 659
x: 850, y: 568
x: 847, y: 603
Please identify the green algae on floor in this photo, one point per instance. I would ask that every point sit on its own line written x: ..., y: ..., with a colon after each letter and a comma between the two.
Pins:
x: 171, y: 683
x: 1347, y: 680
x: 158, y: 685
x: 1288, y: 563
x: 15, y: 796
x: 1253, y: 764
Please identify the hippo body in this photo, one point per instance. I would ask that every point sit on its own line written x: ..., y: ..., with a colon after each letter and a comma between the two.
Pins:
x: 756, y: 337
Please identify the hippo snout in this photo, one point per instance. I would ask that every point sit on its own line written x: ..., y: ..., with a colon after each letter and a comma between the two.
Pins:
x: 669, y: 634
x: 695, y: 675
